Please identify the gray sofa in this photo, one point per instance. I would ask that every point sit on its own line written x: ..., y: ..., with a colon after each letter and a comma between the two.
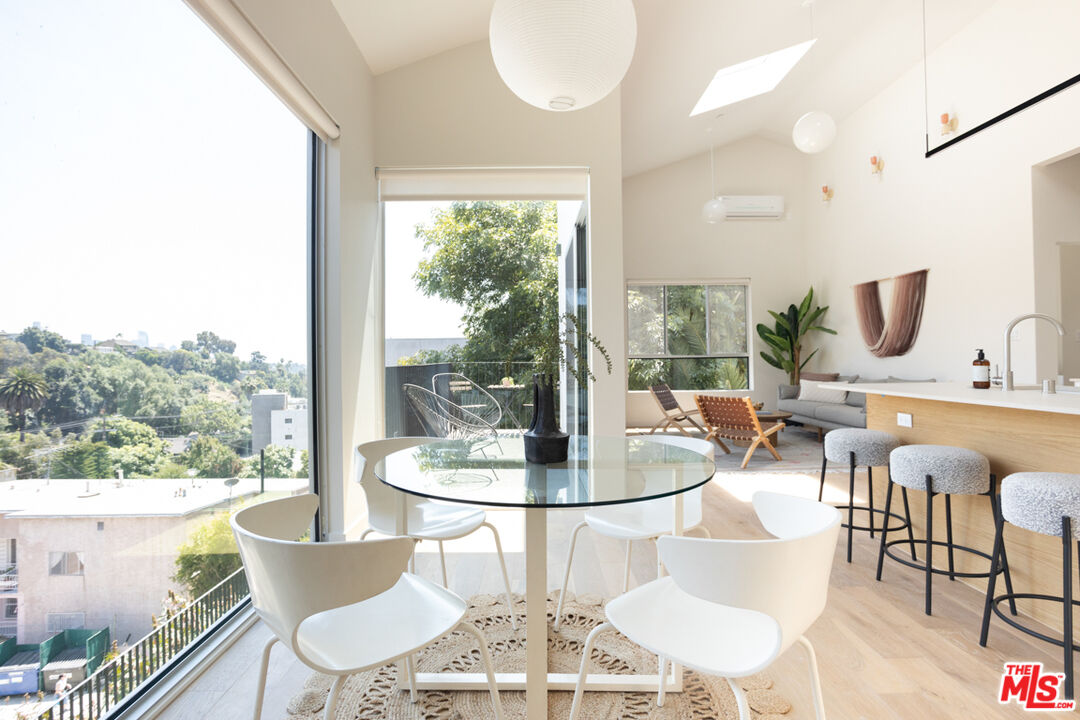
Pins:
x: 830, y: 416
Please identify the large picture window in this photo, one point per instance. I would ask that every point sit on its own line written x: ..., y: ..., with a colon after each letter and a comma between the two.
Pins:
x: 692, y: 337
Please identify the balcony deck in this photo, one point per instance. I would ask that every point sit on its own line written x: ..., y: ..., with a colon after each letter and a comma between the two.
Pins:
x: 880, y: 656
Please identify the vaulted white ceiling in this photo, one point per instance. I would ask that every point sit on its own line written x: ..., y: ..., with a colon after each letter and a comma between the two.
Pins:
x: 862, y: 46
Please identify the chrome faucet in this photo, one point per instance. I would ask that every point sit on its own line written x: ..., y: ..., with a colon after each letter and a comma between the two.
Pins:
x: 1007, y: 376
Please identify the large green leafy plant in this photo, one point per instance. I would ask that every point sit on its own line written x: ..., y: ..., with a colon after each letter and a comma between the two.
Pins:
x: 785, y: 338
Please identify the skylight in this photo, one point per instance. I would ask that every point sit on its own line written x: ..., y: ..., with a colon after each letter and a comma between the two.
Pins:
x: 749, y: 78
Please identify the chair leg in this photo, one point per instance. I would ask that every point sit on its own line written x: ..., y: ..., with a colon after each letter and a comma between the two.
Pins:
x: 821, y: 487
x: 907, y: 517
x: 663, y: 684
x: 583, y: 672
x: 366, y: 532
x: 815, y: 677
x: 749, y: 452
x: 260, y: 688
x: 506, y: 577
x: 870, y: 499
x: 566, y: 574
x: 489, y: 668
x: 948, y: 536
x: 716, y: 439
x: 991, y: 582
x: 410, y: 670
x: 442, y: 561
x: 929, y: 541
x: 626, y: 568
x: 884, y: 531
x: 1067, y: 595
x: 769, y: 446
x: 335, y: 692
x: 740, y: 699
x: 851, y: 505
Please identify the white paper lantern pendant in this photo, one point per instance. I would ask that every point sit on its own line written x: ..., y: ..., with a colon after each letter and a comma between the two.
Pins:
x: 813, y: 132
x: 562, y: 54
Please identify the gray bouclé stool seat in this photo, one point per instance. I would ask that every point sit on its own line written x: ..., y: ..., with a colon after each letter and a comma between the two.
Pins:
x: 1046, y: 503
x: 857, y: 447
x: 948, y: 471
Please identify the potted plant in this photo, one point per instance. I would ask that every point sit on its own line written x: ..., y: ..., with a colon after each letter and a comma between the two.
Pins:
x: 785, y: 338
x: 555, y: 346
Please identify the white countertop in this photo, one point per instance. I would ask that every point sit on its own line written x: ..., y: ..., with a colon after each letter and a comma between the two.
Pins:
x: 1067, y: 403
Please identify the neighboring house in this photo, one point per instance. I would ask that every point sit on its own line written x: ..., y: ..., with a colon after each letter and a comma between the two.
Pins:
x: 97, y: 553
x: 277, y: 419
x: 116, y: 345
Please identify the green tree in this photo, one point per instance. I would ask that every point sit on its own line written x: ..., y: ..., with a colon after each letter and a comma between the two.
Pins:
x: 212, y: 458
x: 226, y: 367
x: 83, y: 459
x: 136, y: 448
x: 497, y: 260
x: 37, y: 339
x: 208, y: 557
x: 210, y: 344
x: 279, y: 462
x: 215, y: 418
x: 22, y: 391
x: 12, y: 354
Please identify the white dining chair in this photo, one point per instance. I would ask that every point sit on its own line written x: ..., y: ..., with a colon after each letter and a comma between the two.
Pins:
x: 342, y: 607
x: 729, y: 608
x: 645, y: 520
x: 426, y: 519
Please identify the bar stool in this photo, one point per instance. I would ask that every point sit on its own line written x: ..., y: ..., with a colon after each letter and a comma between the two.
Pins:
x: 859, y: 447
x: 948, y: 471
x: 1045, y: 503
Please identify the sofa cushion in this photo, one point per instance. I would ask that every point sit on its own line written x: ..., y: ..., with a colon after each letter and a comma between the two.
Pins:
x: 798, y: 407
x: 819, y: 377
x: 841, y: 414
x: 813, y: 392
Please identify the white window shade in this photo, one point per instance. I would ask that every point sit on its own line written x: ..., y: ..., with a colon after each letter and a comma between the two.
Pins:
x: 483, y: 183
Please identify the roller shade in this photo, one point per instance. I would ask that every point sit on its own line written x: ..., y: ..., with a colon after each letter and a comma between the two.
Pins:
x: 483, y: 183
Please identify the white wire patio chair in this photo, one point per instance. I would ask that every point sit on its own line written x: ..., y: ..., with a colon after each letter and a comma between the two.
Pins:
x: 443, y: 418
x: 467, y: 394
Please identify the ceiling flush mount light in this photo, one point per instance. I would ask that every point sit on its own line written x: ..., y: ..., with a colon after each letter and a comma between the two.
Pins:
x: 750, y: 78
x: 813, y: 132
x: 562, y: 54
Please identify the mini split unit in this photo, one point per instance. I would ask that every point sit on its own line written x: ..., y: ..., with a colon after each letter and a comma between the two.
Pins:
x: 753, y: 207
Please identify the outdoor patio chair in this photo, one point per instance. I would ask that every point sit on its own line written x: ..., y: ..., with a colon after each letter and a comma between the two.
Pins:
x: 733, y: 418
x: 443, y: 418
x: 465, y: 393
x: 673, y: 414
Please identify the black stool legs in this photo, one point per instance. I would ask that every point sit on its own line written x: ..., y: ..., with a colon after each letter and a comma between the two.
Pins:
x: 1067, y: 602
x: 851, y: 507
x: 927, y: 567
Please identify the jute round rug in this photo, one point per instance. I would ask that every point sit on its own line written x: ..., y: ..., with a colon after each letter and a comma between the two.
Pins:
x: 377, y: 694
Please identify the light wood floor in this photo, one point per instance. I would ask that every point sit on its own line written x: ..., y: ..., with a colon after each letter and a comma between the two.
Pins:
x: 880, y: 656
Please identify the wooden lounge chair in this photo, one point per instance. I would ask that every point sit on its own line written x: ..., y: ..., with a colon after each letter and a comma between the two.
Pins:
x: 673, y: 414
x: 734, y: 418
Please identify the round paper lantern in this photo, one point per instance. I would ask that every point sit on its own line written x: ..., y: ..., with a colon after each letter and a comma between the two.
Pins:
x: 562, y: 54
x: 714, y: 211
x: 813, y: 132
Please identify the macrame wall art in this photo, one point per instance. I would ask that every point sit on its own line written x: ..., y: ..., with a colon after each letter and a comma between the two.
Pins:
x: 895, y: 336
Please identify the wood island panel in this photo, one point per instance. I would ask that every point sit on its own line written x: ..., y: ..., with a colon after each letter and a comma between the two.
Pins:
x: 1014, y: 441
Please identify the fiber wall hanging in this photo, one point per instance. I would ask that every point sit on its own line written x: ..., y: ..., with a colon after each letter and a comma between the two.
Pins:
x: 896, y: 336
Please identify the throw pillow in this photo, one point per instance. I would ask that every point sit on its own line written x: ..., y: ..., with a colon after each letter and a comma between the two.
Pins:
x: 813, y: 392
x: 819, y: 377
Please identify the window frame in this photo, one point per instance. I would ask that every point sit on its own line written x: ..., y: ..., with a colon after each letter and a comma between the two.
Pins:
x: 665, y: 284
x: 79, y: 555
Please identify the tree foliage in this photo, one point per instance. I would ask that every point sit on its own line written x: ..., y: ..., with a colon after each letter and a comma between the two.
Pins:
x: 22, y: 391
x: 212, y: 458
x: 785, y: 338
x: 208, y: 557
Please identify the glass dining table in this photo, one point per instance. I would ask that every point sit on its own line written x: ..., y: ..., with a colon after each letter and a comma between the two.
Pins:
x: 493, y: 472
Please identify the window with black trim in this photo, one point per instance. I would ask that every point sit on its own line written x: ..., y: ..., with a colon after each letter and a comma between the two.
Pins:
x: 689, y: 336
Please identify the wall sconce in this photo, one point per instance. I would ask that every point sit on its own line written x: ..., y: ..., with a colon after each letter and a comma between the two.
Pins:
x: 826, y: 193
x: 948, y: 123
x: 877, y: 164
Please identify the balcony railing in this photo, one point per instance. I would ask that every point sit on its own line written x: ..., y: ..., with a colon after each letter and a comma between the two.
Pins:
x: 120, y: 676
x: 9, y: 578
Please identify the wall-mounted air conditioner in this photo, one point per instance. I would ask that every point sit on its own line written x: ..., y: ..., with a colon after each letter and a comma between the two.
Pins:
x: 753, y: 207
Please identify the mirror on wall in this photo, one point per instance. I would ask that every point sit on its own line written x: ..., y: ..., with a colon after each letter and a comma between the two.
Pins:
x: 988, y: 59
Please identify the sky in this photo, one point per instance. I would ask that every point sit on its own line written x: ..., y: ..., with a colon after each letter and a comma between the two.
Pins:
x: 148, y: 180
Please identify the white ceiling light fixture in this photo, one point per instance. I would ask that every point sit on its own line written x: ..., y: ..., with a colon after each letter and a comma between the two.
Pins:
x: 562, y: 54
x: 714, y: 209
x: 750, y: 78
x: 814, y: 131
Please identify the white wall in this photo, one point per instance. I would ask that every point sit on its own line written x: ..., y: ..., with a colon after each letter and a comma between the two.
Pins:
x: 1070, y: 306
x: 453, y: 110
x: 965, y: 213
x: 313, y: 41
x: 1055, y: 190
x: 666, y: 239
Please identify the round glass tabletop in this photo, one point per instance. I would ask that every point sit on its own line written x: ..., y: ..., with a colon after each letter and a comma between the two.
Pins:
x: 598, y: 471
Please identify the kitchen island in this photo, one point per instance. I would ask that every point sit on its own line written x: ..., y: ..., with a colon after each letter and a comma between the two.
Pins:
x: 1018, y: 431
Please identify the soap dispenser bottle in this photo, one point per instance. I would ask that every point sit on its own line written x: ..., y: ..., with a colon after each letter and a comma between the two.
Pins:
x: 980, y: 371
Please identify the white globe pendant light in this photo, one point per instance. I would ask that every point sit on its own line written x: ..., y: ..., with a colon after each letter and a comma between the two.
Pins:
x: 562, y: 54
x: 813, y: 132
x: 714, y: 211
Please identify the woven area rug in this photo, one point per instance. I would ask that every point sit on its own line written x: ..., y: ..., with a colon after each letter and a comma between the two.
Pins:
x: 377, y: 694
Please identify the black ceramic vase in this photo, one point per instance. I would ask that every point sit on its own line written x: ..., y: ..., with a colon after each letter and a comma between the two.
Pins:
x: 544, y: 441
